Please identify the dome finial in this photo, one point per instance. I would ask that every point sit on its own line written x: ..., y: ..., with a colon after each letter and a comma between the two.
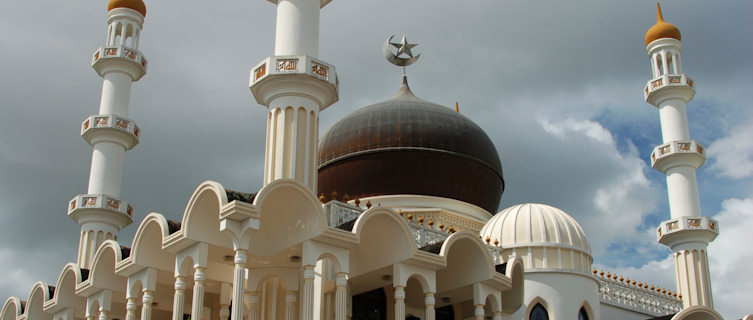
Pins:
x: 662, y: 29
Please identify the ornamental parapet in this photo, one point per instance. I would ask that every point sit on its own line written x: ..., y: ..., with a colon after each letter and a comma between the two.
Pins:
x: 119, y: 58
x: 640, y: 297
x: 97, y: 128
x: 85, y: 207
x: 669, y: 83
x: 676, y: 153
x: 299, y: 75
x: 694, y: 228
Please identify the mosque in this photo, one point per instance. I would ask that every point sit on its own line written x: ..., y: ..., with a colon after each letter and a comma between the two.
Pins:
x: 390, y: 215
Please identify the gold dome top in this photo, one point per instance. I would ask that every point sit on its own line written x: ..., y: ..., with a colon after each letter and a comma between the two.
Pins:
x: 662, y: 29
x: 137, y: 5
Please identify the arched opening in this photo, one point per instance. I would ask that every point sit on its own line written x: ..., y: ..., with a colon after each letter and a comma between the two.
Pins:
x: 371, y: 305
x: 538, y: 312
x: 583, y: 314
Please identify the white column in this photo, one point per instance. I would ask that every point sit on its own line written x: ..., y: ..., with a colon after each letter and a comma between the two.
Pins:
x: 497, y: 315
x: 116, y: 93
x: 479, y: 312
x: 429, y: 302
x: 179, y: 298
x: 131, y: 308
x: 253, y: 305
x: 307, y: 297
x: 341, y: 288
x: 399, y: 302
x: 674, y: 120
x: 297, y: 27
x: 239, y: 283
x: 226, y: 291
x: 290, y: 301
x: 104, y: 314
x: 146, y: 307
x: 106, y: 171
x: 198, y: 293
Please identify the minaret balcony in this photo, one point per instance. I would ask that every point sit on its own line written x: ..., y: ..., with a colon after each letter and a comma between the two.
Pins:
x: 678, y: 86
x: 299, y: 75
x: 687, y: 229
x: 120, y: 59
x: 689, y: 153
x: 110, y: 128
x: 99, y: 207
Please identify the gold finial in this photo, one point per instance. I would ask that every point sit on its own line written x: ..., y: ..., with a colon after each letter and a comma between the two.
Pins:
x: 601, y: 273
x: 595, y: 271
x: 322, y: 198
x: 496, y: 242
x: 441, y: 227
x: 400, y: 212
x: 368, y: 204
x: 431, y: 223
x: 358, y: 202
x: 346, y: 198
x: 664, y: 291
x: 410, y: 217
x: 622, y: 279
x: 609, y: 275
x: 659, y: 17
x: 679, y: 295
x: 421, y: 220
x: 661, y: 29
x: 451, y: 229
x: 457, y: 107
x: 633, y: 282
x: 334, y: 195
x: 487, y: 240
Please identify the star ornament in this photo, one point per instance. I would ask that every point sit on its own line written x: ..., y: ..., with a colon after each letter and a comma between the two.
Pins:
x: 403, y: 47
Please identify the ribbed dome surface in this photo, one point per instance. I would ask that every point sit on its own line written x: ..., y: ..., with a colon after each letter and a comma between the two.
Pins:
x: 137, y: 5
x: 406, y: 145
x: 534, y: 223
x: 544, y: 237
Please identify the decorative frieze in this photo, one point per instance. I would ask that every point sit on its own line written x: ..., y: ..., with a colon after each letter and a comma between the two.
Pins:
x: 670, y: 227
x: 112, y: 128
x: 689, y: 152
x: 667, y: 80
x: 122, y: 58
x: 84, y: 202
x: 638, y: 298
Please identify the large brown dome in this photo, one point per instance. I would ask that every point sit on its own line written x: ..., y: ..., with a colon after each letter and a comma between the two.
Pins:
x: 406, y: 145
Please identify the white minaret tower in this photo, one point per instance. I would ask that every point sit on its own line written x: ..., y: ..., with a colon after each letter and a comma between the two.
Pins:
x: 295, y: 85
x: 101, y: 212
x: 687, y: 233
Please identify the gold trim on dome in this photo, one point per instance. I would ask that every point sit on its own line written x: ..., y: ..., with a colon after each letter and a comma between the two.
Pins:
x: 662, y: 29
x: 137, y: 5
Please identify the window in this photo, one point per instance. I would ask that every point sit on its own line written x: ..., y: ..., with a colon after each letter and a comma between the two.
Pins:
x: 583, y: 315
x: 538, y: 313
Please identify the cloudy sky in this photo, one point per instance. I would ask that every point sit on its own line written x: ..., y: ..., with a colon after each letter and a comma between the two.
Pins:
x: 557, y: 86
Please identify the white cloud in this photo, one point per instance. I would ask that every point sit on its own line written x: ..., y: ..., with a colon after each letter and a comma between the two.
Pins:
x: 731, y: 258
x: 733, y: 154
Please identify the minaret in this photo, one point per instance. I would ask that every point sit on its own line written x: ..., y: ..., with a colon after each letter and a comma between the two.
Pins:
x: 101, y: 212
x: 295, y: 86
x: 687, y: 233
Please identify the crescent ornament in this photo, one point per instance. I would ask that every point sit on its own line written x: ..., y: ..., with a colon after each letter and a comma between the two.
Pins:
x: 403, y: 48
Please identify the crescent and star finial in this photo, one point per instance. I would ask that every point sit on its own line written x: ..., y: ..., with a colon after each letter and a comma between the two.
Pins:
x: 403, y: 49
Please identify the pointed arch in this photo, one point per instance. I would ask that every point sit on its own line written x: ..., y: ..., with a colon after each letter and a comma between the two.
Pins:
x: 289, y: 214
x: 40, y: 293
x: 11, y: 309
x: 146, y: 248
x: 384, y: 239
x: 539, y: 301
x: 586, y: 307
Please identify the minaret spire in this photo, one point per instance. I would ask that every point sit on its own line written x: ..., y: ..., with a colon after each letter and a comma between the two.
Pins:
x: 295, y: 86
x: 101, y: 212
x: 688, y: 232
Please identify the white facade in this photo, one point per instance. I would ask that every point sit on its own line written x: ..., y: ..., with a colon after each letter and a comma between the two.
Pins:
x: 282, y: 254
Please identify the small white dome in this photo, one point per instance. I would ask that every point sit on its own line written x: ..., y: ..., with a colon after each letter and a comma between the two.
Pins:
x: 544, y: 236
